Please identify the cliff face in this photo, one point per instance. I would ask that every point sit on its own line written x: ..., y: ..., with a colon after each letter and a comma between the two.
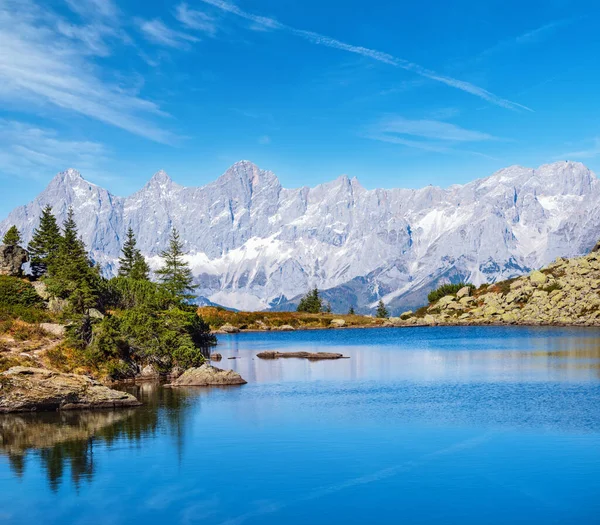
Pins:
x: 253, y: 244
x: 564, y: 292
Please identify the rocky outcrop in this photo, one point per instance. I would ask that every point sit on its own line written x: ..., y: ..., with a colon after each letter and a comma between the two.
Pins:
x: 313, y: 356
x: 27, y: 389
x: 567, y: 292
x: 338, y: 323
x: 228, y: 329
x: 12, y: 259
x: 208, y: 375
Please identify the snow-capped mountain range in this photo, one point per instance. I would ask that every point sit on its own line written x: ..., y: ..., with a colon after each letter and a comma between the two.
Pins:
x: 253, y: 244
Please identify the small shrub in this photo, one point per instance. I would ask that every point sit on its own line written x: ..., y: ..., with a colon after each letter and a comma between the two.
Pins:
x: 27, y: 332
x: 421, y: 312
x: 552, y: 287
x: 446, y: 289
x: 15, y: 291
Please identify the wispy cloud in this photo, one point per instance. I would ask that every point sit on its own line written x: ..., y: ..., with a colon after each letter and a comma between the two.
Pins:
x: 532, y: 36
x: 41, y: 66
x: 426, y: 134
x: 318, y: 39
x: 196, y: 20
x: 156, y: 31
x: 592, y: 151
x: 33, y: 152
x: 265, y: 140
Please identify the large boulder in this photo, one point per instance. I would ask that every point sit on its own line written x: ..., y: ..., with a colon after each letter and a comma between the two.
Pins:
x: 28, y: 389
x: 207, y: 375
x: 12, y: 258
x: 229, y: 329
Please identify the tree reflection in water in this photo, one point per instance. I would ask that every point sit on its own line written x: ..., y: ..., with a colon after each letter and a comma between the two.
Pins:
x: 67, y: 439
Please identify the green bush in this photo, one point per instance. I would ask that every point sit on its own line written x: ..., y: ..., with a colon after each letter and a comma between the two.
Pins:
x: 17, y: 292
x: 446, y: 289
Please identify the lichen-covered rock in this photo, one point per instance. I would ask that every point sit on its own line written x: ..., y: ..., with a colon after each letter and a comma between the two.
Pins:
x: 538, y: 278
x: 27, y: 389
x: 338, y: 323
x: 208, y: 375
x: 465, y: 291
x: 286, y: 328
x: 229, y: 329
x: 12, y: 259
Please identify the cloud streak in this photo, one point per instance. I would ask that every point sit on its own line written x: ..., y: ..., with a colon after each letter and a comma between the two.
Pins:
x: 323, y: 40
x: 41, y: 66
x: 426, y: 134
x: 32, y: 151
x: 156, y: 31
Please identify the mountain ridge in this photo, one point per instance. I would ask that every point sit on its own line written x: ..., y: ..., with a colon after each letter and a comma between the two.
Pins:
x: 254, y: 244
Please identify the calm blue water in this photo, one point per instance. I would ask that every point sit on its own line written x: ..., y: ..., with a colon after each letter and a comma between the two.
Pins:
x: 426, y: 425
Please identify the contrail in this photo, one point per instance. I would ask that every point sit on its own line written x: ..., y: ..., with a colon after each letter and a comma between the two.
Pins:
x: 373, y: 54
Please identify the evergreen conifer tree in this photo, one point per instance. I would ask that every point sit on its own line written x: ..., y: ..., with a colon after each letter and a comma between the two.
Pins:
x: 382, y: 311
x: 175, y: 273
x: 140, y: 269
x: 132, y: 263
x: 128, y: 253
x: 311, y: 302
x: 71, y: 273
x: 44, y: 243
x: 12, y: 237
x: 351, y: 310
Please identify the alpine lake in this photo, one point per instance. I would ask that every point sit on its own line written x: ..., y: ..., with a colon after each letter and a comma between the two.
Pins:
x: 465, y: 425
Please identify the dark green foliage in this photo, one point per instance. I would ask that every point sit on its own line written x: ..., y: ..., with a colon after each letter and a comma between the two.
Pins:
x: 17, y: 292
x: 351, y: 311
x: 552, y: 287
x: 12, y: 237
x: 168, y: 338
x: 132, y: 263
x: 382, y: 311
x: 140, y: 269
x: 71, y: 274
x: 175, y: 273
x: 122, y: 293
x: 446, y: 289
x: 44, y: 243
x: 327, y: 308
x: 311, y: 303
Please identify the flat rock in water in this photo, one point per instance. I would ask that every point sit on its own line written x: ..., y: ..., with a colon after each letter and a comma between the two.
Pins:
x: 28, y: 389
x: 313, y: 356
x: 207, y: 375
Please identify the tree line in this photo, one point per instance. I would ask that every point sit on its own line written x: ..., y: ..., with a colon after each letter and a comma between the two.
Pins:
x: 114, y: 325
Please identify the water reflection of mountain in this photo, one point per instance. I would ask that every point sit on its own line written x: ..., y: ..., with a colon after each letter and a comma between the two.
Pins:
x: 66, y: 440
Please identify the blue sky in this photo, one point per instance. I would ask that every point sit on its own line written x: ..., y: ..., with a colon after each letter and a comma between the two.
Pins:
x: 398, y: 94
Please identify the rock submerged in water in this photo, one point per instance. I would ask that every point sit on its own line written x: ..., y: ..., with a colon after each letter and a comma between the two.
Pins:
x: 28, y: 389
x: 313, y: 356
x: 208, y: 375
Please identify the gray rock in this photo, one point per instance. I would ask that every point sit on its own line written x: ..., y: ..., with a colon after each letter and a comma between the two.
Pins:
x: 26, y: 389
x: 41, y: 289
x: 229, y: 329
x: 53, y: 328
x: 207, y: 375
x: 12, y: 259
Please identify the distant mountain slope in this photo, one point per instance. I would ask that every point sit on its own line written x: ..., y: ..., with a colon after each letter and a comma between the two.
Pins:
x: 254, y: 244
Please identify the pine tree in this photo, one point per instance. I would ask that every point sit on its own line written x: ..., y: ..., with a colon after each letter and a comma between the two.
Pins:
x: 140, y: 269
x: 351, y: 310
x: 44, y: 243
x: 12, y: 237
x: 132, y: 263
x: 175, y: 273
x: 311, y: 302
x: 129, y: 251
x: 327, y: 308
x: 70, y: 271
x: 382, y: 311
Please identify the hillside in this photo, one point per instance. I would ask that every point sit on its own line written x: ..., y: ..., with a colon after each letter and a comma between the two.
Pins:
x: 566, y: 292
